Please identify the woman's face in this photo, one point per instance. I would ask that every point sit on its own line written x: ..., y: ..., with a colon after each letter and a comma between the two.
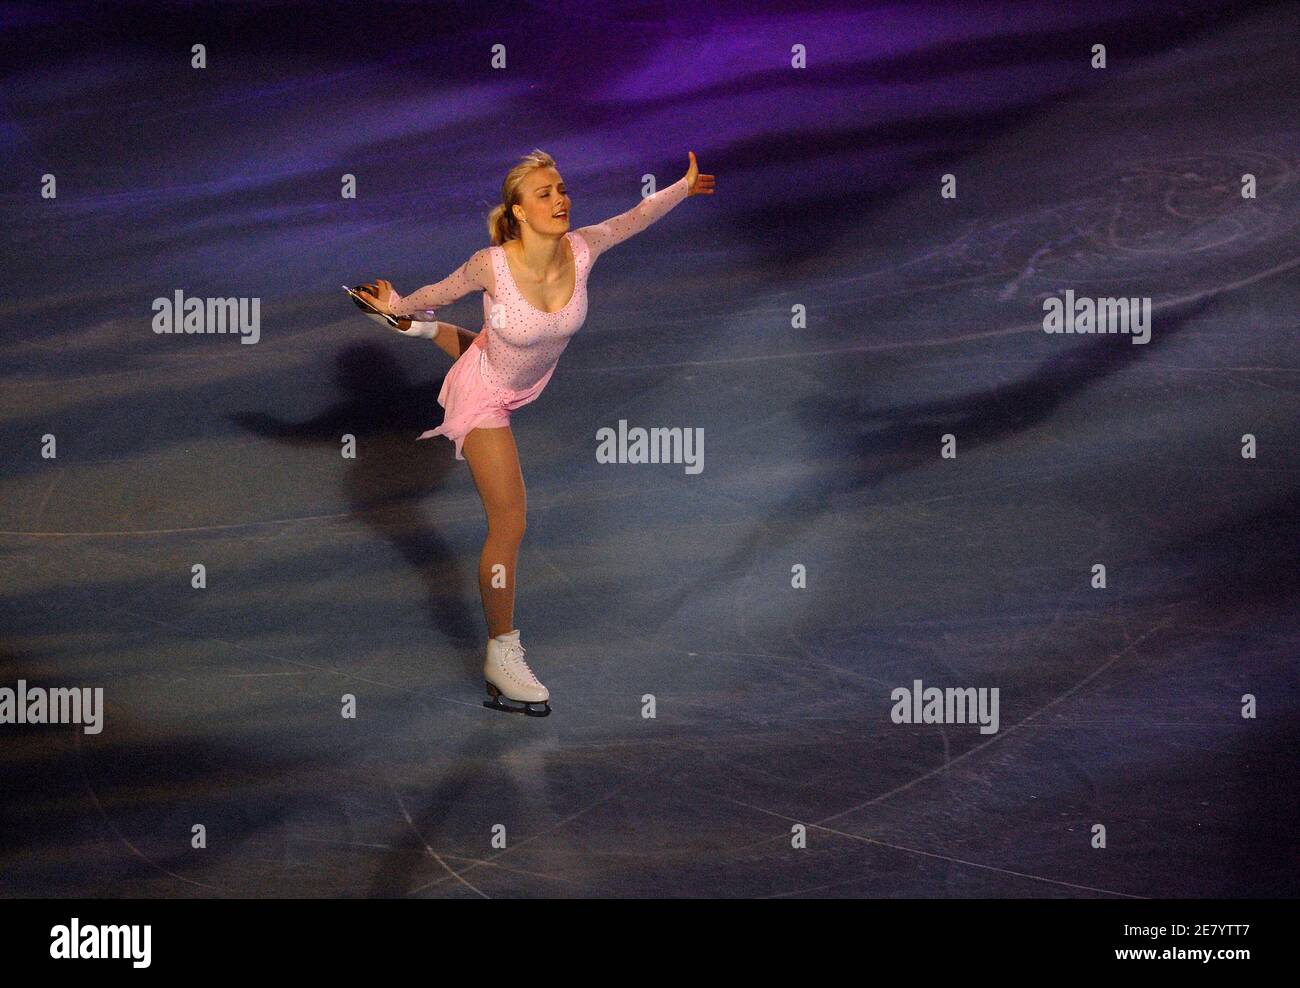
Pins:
x: 543, y: 203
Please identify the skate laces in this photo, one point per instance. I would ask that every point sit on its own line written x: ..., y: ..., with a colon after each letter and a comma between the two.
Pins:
x: 515, y: 654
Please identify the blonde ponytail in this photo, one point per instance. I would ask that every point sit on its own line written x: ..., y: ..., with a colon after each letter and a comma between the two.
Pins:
x: 501, y: 222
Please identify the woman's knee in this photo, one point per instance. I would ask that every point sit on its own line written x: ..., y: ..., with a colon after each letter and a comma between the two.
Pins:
x: 507, y: 525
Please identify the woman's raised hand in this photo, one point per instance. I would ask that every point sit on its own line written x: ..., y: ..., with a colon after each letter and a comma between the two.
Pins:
x: 380, y: 294
x: 697, y: 183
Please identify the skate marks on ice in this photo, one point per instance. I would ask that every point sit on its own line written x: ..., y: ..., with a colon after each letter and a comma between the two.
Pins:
x: 949, y: 763
x: 1184, y: 208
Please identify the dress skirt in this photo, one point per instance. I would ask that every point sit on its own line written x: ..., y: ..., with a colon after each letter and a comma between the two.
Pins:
x: 470, y: 401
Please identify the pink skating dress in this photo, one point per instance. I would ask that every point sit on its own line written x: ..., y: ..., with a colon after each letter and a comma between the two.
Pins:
x: 514, y: 355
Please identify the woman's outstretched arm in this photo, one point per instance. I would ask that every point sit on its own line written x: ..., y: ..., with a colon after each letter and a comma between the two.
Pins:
x: 475, y: 273
x: 601, y: 237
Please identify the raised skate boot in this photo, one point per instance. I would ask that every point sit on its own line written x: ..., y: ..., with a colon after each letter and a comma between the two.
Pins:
x: 399, y: 323
x: 509, y: 679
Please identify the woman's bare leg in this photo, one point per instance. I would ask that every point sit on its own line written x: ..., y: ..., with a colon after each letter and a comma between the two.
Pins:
x: 494, y: 462
x: 454, y: 341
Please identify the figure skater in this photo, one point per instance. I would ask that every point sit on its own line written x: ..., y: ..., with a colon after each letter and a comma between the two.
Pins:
x: 534, y: 283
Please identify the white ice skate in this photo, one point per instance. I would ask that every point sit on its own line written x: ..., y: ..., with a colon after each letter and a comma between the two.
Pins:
x: 509, y: 678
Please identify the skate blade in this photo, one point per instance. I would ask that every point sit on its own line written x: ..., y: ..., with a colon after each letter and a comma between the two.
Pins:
x: 497, y: 701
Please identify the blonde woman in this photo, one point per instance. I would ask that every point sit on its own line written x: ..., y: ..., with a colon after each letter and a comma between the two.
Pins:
x: 534, y: 283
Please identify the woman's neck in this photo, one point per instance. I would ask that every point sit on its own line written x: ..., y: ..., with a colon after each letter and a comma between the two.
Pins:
x: 540, y: 254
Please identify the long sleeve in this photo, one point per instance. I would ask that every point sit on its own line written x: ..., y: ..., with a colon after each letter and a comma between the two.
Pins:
x: 602, y: 236
x: 475, y: 273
